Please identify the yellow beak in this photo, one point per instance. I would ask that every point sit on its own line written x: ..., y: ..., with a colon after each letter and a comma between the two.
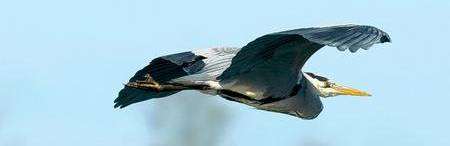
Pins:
x: 341, y: 90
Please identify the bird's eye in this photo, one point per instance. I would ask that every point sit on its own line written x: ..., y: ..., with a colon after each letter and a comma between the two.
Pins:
x: 327, y: 85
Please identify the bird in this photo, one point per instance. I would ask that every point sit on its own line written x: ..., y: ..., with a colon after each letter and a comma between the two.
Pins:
x: 265, y: 74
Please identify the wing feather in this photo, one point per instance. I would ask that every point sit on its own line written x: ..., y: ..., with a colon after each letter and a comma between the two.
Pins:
x: 336, y: 36
x: 216, y: 61
x: 269, y: 65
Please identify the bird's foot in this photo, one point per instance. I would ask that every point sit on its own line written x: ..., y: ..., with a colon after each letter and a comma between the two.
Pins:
x: 149, y: 84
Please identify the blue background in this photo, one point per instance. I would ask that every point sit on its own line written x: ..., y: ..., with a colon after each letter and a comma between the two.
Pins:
x: 62, y: 64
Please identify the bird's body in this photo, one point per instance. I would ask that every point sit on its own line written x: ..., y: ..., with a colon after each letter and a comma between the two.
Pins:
x: 266, y: 73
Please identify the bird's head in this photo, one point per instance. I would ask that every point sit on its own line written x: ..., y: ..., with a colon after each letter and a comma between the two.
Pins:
x: 328, y: 88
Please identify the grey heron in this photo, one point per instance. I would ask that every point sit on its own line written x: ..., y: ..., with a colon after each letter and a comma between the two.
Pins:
x: 265, y: 74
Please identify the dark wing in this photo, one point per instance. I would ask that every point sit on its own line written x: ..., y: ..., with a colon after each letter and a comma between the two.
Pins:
x: 269, y: 66
x: 162, y: 69
x: 352, y: 37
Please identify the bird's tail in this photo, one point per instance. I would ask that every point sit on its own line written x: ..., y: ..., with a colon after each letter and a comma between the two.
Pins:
x: 161, y: 70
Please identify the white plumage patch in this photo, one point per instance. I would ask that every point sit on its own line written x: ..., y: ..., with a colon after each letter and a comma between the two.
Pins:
x: 314, y: 81
x: 320, y: 87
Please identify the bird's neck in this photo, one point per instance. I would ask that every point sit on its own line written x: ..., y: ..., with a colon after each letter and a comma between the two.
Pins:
x: 307, y: 86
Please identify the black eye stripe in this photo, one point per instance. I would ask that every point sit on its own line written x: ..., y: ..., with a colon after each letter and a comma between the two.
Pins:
x: 320, y: 78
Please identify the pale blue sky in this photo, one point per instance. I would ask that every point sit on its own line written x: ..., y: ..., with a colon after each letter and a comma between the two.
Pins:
x: 63, y: 63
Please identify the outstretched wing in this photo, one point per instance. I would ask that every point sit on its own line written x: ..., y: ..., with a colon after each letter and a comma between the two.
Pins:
x: 182, y: 68
x: 352, y: 37
x: 269, y: 66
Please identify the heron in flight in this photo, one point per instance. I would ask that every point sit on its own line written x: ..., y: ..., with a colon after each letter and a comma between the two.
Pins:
x: 265, y: 74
